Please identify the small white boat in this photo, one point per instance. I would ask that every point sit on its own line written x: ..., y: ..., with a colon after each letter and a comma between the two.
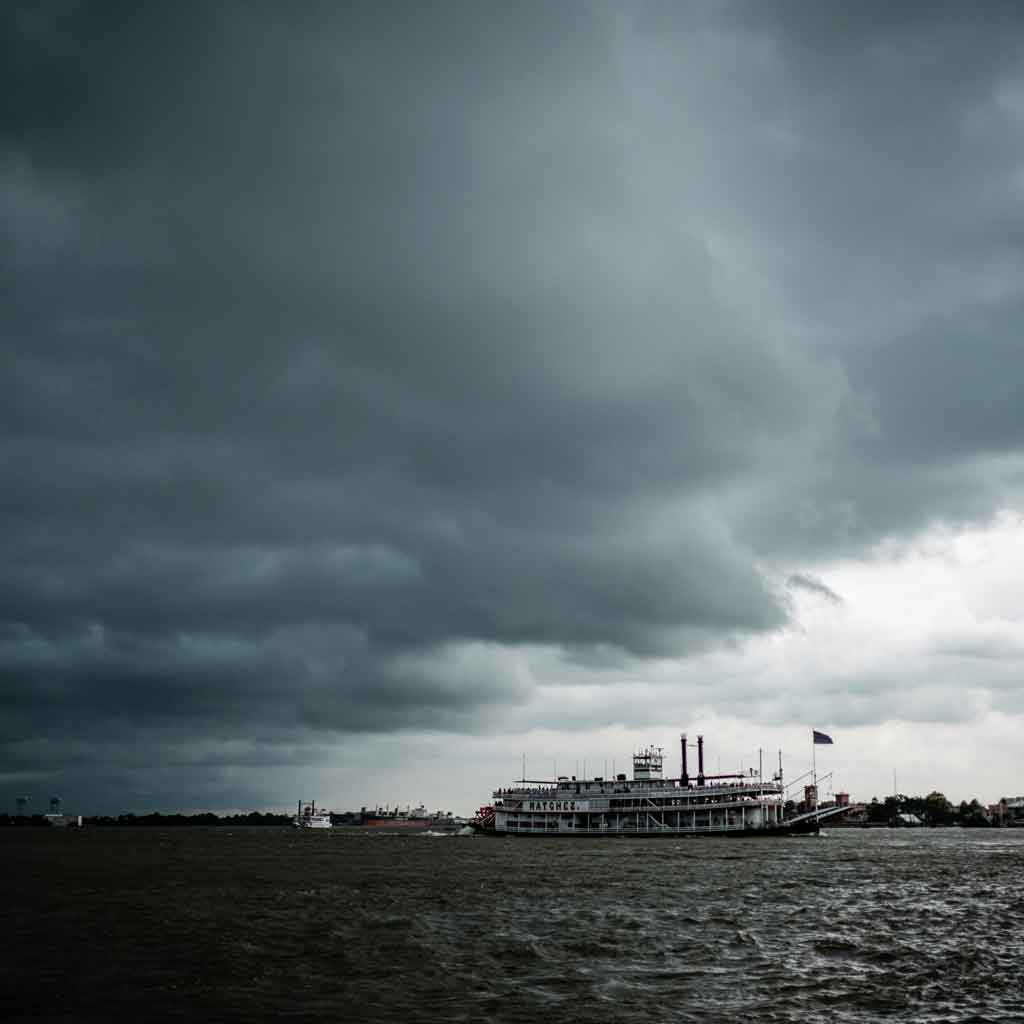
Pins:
x: 309, y: 817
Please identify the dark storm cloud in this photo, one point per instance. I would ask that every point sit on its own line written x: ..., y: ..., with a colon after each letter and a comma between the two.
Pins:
x: 867, y: 161
x: 348, y: 348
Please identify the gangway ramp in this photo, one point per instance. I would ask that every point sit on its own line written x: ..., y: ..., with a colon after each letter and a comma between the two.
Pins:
x: 818, y: 815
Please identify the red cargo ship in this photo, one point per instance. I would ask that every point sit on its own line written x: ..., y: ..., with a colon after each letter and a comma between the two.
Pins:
x: 416, y: 819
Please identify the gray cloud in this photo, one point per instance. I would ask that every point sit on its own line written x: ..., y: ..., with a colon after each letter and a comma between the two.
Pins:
x: 805, y: 582
x: 344, y: 344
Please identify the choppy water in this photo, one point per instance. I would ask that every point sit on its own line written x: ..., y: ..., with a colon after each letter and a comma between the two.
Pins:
x: 215, y: 924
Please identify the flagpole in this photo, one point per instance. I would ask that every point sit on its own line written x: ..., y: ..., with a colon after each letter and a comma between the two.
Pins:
x: 814, y: 769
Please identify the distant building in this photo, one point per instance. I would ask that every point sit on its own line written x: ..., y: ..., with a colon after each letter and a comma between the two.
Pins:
x: 1014, y: 810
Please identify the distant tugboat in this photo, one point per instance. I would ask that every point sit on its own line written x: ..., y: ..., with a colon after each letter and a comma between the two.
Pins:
x: 648, y: 805
x: 309, y: 817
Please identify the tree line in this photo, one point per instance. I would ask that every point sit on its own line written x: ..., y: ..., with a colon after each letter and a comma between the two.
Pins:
x: 933, y: 809
x: 158, y: 819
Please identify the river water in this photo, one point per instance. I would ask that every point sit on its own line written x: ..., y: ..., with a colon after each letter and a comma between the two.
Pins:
x: 253, y: 924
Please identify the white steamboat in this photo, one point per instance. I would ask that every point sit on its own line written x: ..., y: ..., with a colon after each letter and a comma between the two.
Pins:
x: 309, y: 816
x: 648, y: 805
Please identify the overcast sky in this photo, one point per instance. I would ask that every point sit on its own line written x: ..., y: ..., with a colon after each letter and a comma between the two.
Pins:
x: 388, y: 391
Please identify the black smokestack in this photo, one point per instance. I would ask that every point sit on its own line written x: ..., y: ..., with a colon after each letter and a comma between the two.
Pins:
x: 684, y: 778
x: 700, y: 760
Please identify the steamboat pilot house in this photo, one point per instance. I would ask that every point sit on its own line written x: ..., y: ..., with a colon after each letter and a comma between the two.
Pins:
x: 646, y: 805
